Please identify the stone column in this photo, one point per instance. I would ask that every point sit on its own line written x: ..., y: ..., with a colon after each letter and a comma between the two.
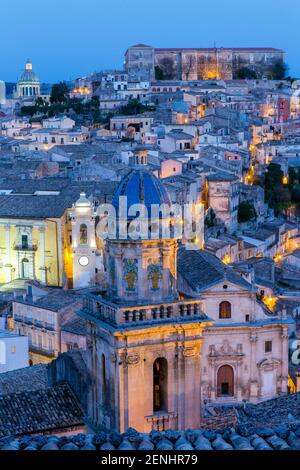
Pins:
x: 142, y: 274
x: 239, y: 391
x: 118, y: 273
x: 8, y: 264
x: 166, y: 272
x: 284, y: 360
x: 180, y: 388
x: 192, y: 395
x: 253, y: 367
x: 214, y: 381
x: 43, y: 276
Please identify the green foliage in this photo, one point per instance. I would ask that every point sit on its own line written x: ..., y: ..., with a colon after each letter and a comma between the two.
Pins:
x: 246, y: 212
x: 244, y: 73
x: 296, y: 193
x: 210, y: 219
x: 59, y: 93
x: 134, y: 107
x: 159, y: 73
x: 273, y: 178
x: 279, y: 70
x: 27, y: 111
x: 278, y: 195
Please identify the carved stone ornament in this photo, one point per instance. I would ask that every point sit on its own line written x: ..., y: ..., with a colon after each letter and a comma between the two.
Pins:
x: 226, y: 349
x: 130, y: 358
x: 189, y: 351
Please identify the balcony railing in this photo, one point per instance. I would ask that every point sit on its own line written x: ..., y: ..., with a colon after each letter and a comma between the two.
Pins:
x: 34, y: 348
x: 36, y: 323
x: 182, y: 310
x: 161, y: 421
x: 25, y: 247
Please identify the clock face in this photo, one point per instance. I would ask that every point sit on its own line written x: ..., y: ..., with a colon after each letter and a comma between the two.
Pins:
x: 83, y: 261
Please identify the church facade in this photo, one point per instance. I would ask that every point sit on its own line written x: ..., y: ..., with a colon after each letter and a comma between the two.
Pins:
x: 174, y: 330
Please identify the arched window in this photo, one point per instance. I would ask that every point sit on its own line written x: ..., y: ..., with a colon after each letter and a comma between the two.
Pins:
x: 160, y: 385
x: 225, y: 381
x: 225, y: 309
x: 83, y: 234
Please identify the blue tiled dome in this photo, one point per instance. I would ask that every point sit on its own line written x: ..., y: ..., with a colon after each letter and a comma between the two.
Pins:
x: 28, y: 75
x: 141, y: 187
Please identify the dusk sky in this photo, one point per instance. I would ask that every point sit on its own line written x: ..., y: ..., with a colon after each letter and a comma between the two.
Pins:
x: 69, y: 38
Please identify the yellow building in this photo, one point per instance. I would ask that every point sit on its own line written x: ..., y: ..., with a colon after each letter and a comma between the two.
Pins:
x: 36, y: 228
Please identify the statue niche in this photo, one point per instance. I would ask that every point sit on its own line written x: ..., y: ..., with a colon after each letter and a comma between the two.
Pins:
x: 130, y: 270
x: 154, y: 275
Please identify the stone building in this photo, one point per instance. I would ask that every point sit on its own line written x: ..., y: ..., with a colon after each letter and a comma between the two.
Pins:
x: 40, y: 316
x: 223, y: 198
x: 37, y: 223
x: 200, y: 63
x: 174, y: 329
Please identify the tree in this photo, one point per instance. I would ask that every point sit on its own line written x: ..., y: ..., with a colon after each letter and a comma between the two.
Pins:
x: 188, y: 65
x: 279, y: 70
x: 167, y: 66
x: 246, y: 212
x: 296, y: 193
x: 134, y: 107
x: 244, y: 73
x: 273, y: 179
x: 159, y: 74
x: 59, y: 93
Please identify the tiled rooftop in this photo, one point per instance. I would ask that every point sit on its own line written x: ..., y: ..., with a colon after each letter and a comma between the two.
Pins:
x: 264, y: 438
x: 24, y: 380
x: 41, y: 410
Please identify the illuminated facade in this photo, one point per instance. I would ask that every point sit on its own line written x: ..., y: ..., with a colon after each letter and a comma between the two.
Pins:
x: 29, y: 85
x: 175, y: 328
x: 30, y: 251
x: 199, y: 63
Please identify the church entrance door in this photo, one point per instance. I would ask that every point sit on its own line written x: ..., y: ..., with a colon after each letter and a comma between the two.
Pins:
x: 225, y: 385
x: 25, y: 268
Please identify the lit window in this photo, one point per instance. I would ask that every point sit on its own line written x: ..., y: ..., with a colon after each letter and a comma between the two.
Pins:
x: 13, y: 349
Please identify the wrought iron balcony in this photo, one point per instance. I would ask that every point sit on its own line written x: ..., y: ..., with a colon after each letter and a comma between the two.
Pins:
x: 25, y: 247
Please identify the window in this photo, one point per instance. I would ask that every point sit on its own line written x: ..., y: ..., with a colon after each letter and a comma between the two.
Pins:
x: 225, y: 309
x: 24, y: 242
x: 160, y: 385
x: 50, y: 344
x: 83, y: 234
x: 13, y: 349
x: 268, y: 346
x: 40, y: 341
x: 247, y: 317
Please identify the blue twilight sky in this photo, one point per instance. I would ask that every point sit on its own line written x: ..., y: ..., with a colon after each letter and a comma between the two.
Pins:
x: 69, y: 38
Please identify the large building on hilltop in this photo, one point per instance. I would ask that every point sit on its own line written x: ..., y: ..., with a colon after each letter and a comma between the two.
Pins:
x: 174, y: 329
x: 200, y: 63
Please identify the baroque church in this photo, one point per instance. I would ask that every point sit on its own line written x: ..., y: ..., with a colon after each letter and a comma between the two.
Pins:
x: 172, y: 330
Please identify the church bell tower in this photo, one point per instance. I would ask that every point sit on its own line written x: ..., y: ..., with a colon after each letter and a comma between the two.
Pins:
x: 85, y: 257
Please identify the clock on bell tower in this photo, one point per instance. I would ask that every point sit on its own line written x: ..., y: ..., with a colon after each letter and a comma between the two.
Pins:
x: 85, y: 256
